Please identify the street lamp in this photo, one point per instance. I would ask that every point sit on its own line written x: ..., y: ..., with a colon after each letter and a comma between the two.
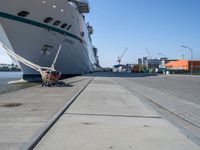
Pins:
x: 191, y: 66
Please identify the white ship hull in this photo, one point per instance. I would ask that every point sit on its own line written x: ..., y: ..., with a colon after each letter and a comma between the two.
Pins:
x: 28, y: 35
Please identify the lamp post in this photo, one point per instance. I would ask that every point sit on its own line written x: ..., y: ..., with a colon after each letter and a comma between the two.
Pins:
x: 191, y: 65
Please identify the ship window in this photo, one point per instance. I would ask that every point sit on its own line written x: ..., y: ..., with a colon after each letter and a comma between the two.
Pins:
x: 64, y: 25
x: 69, y: 27
x: 82, y: 34
x: 56, y: 23
x: 48, y: 20
x: 23, y: 13
x: 83, y: 17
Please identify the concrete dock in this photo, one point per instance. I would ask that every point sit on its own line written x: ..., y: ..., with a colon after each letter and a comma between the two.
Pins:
x: 24, y: 113
x: 106, y: 115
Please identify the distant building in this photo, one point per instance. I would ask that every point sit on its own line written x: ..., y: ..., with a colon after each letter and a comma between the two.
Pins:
x: 145, y: 61
x: 9, y: 67
x: 163, y: 62
x: 153, y: 63
x: 119, y: 68
x: 4, y: 67
x: 139, y: 61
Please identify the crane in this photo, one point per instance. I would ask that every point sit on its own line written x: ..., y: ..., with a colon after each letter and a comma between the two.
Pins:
x: 119, y: 59
x: 149, y: 54
x: 49, y: 75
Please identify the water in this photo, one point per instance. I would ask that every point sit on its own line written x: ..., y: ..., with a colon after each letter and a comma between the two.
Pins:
x: 5, y: 77
x: 10, y: 75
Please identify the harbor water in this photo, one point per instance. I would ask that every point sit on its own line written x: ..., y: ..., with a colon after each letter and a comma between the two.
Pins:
x: 6, y: 77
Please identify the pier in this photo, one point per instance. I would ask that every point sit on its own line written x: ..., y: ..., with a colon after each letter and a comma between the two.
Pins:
x: 104, y: 111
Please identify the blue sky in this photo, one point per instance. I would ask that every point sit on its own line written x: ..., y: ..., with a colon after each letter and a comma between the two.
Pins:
x: 161, y: 26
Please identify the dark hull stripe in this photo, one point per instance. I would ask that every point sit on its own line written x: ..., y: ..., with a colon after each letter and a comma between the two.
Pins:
x: 37, y: 24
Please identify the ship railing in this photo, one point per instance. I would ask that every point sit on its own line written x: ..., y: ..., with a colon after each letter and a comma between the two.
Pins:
x: 82, y: 5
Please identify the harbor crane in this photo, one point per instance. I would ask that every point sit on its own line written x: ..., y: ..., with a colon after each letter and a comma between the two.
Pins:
x: 49, y: 75
x: 149, y: 54
x: 119, y: 59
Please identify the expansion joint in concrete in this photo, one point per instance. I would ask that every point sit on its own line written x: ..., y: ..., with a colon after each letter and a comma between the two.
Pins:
x: 109, y: 115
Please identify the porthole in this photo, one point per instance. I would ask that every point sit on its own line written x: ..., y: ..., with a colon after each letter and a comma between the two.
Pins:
x: 56, y: 23
x: 23, y: 13
x: 64, y: 25
x: 48, y: 20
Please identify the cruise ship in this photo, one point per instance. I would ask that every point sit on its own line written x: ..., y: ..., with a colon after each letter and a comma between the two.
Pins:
x: 34, y: 29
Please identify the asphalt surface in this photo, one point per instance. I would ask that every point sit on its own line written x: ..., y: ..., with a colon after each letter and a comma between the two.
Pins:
x: 183, y: 86
x: 175, y: 97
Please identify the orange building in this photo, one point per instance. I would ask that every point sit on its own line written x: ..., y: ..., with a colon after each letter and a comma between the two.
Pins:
x: 183, y: 65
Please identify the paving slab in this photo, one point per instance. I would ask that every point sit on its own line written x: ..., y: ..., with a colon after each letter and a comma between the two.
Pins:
x: 37, y: 105
x: 105, y: 133
x: 109, y: 99
x: 107, y: 116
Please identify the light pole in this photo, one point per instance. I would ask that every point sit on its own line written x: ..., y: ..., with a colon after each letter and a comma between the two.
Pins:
x: 191, y: 65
